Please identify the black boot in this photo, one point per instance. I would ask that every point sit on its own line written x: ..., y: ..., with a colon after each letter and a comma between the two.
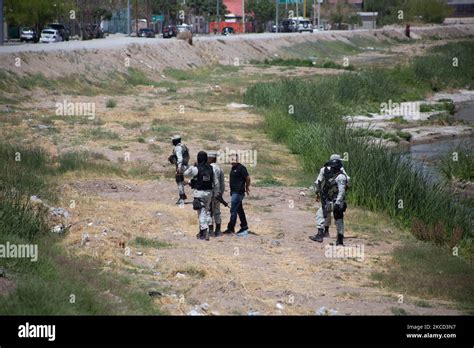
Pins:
x: 340, y: 239
x: 229, y: 231
x: 199, y: 235
x: 326, y: 231
x: 218, y: 232
x: 211, y: 230
x: 318, y: 237
x: 205, y: 234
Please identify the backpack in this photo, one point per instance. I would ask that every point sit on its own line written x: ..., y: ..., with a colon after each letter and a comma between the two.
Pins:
x: 329, y: 185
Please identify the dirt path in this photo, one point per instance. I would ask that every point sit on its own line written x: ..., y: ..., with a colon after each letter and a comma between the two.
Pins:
x: 277, y: 271
x: 235, y: 275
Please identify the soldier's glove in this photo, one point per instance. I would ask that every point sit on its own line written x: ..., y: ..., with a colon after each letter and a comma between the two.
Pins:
x: 338, y: 206
x: 197, y: 205
x: 172, y: 159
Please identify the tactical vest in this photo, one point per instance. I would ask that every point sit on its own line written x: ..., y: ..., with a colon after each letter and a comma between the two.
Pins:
x: 204, y: 178
x: 185, y: 154
x: 329, y: 184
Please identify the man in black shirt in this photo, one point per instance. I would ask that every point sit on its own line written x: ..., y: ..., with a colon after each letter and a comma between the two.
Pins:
x: 239, y: 185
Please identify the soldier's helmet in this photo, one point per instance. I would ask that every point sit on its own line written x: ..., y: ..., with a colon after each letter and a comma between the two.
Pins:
x: 176, y: 139
x: 335, y: 164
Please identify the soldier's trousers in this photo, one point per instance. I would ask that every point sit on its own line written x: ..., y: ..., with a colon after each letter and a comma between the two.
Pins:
x: 321, y: 222
x: 215, y: 211
x: 180, y: 181
x: 204, y: 214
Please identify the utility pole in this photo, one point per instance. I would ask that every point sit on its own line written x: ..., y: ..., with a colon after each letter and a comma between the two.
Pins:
x: 304, y: 9
x: 319, y: 14
x: 128, y: 17
x: 218, y: 16
x: 276, y: 16
x: 243, y: 14
x: 1, y: 23
x: 136, y: 16
x: 148, y: 15
x: 83, y: 8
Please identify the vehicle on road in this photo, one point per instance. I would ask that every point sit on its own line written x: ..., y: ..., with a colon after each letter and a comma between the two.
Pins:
x: 28, y: 34
x: 184, y: 27
x: 63, y: 31
x: 50, y: 35
x: 228, y: 31
x: 303, y: 25
x: 169, y: 32
x: 145, y: 32
x: 296, y: 24
x: 280, y: 28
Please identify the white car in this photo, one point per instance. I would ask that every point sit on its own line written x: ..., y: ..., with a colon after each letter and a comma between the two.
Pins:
x: 50, y: 35
x: 304, y: 25
x: 184, y: 27
x: 28, y: 34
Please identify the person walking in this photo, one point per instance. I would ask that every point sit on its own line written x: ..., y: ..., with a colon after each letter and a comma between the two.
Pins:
x: 331, y: 186
x: 239, y: 182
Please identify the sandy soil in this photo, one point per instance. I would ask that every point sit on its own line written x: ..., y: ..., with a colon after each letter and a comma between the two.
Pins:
x: 278, y: 265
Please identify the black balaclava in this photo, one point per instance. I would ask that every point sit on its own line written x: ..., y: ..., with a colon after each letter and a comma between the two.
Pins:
x: 202, y: 157
x: 176, y: 141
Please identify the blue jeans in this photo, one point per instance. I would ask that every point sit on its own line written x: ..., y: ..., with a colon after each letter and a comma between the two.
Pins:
x: 237, y: 208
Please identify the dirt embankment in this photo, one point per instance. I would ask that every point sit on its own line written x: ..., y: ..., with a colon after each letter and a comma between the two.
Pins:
x: 100, y: 58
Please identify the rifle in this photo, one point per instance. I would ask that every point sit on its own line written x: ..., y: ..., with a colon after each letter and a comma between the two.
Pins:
x: 324, y: 199
x: 220, y: 199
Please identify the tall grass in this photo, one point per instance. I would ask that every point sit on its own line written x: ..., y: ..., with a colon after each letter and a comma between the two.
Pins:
x: 382, y: 180
x: 22, y: 171
x: 458, y: 163
x: 44, y: 287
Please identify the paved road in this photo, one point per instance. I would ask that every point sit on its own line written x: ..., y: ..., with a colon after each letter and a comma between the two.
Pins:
x: 120, y: 40
x: 117, y: 41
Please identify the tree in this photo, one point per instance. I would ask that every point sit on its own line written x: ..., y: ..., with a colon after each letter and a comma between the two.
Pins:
x: 261, y: 11
x: 343, y: 13
x: 402, y: 11
x: 37, y: 13
x: 429, y: 11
